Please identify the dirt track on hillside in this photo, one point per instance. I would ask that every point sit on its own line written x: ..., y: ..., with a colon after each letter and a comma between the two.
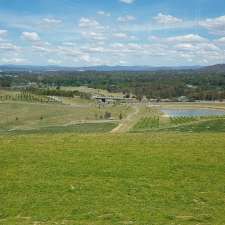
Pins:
x: 127, y: 123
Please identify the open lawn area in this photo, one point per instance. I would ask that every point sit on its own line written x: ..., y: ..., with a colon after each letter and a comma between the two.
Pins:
x: 104, y: 179
x: 29, y: 116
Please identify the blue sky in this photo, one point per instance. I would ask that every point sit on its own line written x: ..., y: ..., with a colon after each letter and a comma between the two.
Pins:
x: 112, y: 32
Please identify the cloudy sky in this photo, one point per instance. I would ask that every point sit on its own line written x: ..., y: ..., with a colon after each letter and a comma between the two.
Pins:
x: 112, y: 32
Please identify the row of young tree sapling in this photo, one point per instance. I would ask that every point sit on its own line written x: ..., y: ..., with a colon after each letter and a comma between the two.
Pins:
x: 27, y: 97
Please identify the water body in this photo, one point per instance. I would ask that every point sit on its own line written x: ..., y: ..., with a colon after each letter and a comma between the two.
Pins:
x: 193, y: 112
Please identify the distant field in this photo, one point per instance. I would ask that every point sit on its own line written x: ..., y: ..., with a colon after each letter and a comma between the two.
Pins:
x: 85, y: 128
x: 34, y: 116
x: 7, y: 92
x: 92, y: 91
x: 136, y: 118
x: 107, y: 179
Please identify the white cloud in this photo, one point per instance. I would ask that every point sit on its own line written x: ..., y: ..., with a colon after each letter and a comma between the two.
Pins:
x: 97, y: 36
x: 168, y: 20
x: 54, y: 61
x: 189, y: 38
x: 86, y: 58
x: 92, y: 30
x: 69, y: 43
x: 89, y: 23
x: 120, y: 35
x: 13, y: 60
x: 97, y: 49
x: 31, y: 36
x: 52, y: 21
x: 171, y: 50
x: 209, y: 47
x: 103, y: 13
x: 127, y: 1
x: 42, y: 49
x: 220, y: 42
x: 49, y: 23
x: 185, y: 47
x: 188, y: 41
x: 159, y: 23
x: 215, y: 25
x: 3, y: 33
x: 122, y: 62
x: 95, y: 41
x: 5, y: 46
x: 126, y: 18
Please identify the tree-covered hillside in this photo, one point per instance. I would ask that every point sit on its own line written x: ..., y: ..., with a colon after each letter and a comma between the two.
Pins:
x: 195, y: 84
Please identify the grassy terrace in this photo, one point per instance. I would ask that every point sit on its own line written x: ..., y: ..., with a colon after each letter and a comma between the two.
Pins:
x: 180, y: 124
x: 108, y: 179
x: 210, y: 125
x: 82, y: 128
x: 29, y: 116
x: 152, y: 120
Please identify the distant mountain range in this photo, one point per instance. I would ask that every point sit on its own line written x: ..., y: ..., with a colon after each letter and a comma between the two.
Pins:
x: 27, y: 68
x: 219, y: 68
x: 134, y: 68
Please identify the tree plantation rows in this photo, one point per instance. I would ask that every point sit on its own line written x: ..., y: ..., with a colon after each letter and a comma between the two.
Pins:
x: 147, y: 123
x: 27, y: 97
x: 153, y: 122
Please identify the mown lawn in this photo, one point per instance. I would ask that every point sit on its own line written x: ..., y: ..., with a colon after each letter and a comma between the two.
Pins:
x: 104, y: 179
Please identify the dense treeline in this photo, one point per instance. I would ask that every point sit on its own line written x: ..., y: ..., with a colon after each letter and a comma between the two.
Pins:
x: 194, y: 84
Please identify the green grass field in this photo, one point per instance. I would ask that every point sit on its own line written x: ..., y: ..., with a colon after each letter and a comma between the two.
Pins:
x: 213, y: 125
x: 153, y: 122
x: 147, y: 123
x: 104, y: 179
x: 83, y: 128
x: 20, y: 115
x: 60, y: 165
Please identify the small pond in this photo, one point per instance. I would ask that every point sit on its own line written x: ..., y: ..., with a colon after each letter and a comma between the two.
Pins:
x: 193, y: 112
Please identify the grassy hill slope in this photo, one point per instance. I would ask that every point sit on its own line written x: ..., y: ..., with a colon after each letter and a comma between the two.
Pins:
x: 109, y: 179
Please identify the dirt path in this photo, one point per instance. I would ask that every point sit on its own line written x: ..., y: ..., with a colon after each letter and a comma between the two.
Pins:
x: 127, y: 123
